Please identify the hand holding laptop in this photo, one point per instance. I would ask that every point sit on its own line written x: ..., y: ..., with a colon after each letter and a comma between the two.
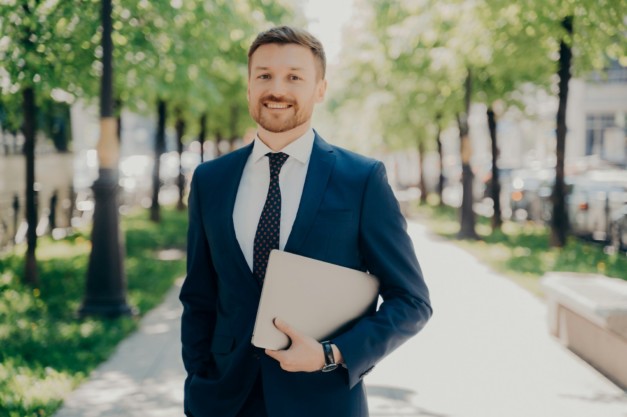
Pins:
x: 318, y: 299
x: 304, y: 354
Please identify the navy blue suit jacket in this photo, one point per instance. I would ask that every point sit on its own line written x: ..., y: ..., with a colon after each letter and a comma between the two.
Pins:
x: 349, y: 216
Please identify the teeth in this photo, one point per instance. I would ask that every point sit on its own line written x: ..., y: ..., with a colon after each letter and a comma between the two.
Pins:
x: 277, y: 106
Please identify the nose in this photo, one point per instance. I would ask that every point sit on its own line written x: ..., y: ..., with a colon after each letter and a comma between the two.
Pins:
x: 278, y: 88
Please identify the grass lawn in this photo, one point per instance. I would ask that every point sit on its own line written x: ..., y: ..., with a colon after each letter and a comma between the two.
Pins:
x: 522, y: 251
x: 45, y: 351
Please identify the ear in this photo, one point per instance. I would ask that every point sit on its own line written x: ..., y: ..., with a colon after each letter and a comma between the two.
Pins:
x: 321, y: 90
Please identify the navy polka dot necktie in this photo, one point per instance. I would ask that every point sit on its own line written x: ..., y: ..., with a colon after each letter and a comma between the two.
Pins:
x: 269, y: 227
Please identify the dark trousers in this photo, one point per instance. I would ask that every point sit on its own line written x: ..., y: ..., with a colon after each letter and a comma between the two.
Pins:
x: 255, y: 405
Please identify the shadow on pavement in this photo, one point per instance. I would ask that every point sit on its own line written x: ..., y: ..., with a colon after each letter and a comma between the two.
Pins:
x: 600, y: 398
x: 385, y: 401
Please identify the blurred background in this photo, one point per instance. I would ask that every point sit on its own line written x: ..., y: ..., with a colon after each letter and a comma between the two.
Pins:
x: 403, y: 75
x: 496, y: 120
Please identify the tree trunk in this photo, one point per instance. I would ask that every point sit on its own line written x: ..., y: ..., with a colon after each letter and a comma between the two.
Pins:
x: 467, y: 214
x: 180, y: 132
x: 559, y: 219
x: 16, y: 217
x: 202, y: 135
x: 58, y: 126
x: 3, y: 131
x: 219, y: 139
x: 30, y: 117
x: 118, y: 105
x: 495, y: 185
x: 72, y: 205
x: 438, y: 140
x: 421, y: 185
x: 52, y: 215
x: 155, y: 209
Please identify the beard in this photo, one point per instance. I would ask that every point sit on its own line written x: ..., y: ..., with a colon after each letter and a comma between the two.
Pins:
x: 286, y: 120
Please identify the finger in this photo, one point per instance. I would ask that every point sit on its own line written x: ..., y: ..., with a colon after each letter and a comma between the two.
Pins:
x: 274, y: 354
x: 285, y: 328
x: 281, y: 356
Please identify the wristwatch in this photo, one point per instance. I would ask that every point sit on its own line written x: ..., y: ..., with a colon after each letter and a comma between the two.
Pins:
x: 329, y: 360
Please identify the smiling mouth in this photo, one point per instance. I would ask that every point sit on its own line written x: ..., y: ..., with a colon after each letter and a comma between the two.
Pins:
x: 277, y: 106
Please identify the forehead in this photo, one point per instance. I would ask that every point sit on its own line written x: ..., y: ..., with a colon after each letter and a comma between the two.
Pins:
x: 283, y: 56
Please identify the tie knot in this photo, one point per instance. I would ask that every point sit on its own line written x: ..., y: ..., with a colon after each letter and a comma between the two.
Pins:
x: 276, y: 162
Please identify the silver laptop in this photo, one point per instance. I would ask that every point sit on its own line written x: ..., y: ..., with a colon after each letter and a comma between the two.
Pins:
x: 314, y: 297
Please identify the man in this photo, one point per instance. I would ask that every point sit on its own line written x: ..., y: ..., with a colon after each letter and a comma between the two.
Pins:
x: 290, y: 190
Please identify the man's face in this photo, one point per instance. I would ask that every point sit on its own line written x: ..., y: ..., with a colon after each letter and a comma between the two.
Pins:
x: 283, y: 86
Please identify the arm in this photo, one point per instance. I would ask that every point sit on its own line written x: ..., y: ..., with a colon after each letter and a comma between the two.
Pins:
x: 198, y: 294
x: 389, y: 255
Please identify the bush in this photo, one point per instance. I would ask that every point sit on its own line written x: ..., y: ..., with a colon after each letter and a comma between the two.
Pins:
x: 46, y: 351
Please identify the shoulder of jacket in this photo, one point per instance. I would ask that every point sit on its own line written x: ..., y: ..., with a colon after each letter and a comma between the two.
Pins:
x: 351, y: 156
x: 355, y: 161
x: 221, y: 164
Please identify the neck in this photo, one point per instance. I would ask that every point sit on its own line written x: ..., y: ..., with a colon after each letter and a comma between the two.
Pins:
x: 278, y: 141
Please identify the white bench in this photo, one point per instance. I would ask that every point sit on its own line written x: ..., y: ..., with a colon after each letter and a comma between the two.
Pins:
x: 588, y: 313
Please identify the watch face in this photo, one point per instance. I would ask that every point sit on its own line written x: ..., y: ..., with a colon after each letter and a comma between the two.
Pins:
x: 329, y: 368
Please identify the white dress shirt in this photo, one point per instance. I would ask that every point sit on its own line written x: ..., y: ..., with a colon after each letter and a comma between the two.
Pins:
x: 253, y: 189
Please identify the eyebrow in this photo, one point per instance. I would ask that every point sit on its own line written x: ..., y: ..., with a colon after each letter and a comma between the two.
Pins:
x: 258, y: 68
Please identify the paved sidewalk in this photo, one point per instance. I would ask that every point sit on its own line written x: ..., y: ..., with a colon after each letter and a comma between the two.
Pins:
x: 485, y: 353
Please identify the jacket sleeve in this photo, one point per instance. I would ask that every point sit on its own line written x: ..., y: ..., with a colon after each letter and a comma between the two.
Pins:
x: 198, y: 293
x: 389, y: 255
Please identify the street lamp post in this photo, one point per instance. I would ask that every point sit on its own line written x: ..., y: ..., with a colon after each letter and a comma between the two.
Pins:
x: 105, y: 291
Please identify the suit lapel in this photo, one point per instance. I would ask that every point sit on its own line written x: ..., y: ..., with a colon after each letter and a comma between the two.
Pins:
x: 320, y: 167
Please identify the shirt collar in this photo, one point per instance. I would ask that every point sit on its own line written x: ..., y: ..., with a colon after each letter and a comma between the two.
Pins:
x: 300, y: 149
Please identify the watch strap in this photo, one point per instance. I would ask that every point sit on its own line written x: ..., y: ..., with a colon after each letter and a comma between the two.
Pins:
x: 329, y: 358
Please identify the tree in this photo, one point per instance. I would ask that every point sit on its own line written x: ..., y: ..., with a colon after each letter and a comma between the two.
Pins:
x: 516, y: 59
x: 381, y: 84
x: 485, y: 50
x: 428, y: 60
x: 39, y: 54
x: 185, y: 70
x: 584, y: 35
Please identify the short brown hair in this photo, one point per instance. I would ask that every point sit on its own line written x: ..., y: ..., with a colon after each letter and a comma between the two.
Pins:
x: 286, y: 35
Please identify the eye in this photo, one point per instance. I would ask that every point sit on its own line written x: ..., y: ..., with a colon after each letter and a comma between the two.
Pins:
x: 264, y: 76
x: 294, y: 78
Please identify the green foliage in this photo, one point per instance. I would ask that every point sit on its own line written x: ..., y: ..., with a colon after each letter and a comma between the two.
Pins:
x: 406, y: 61
x: 599, y: 28
x: 41, y: 47
x: 46, y: 351
x: 40, y: 44
x: 192, y: 54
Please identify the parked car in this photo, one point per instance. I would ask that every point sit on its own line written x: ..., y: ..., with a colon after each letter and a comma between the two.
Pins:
x: 596, y: 199
x: 529, y: 190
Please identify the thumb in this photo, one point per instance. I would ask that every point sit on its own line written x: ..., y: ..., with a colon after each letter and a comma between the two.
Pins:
x: 285, y: 328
